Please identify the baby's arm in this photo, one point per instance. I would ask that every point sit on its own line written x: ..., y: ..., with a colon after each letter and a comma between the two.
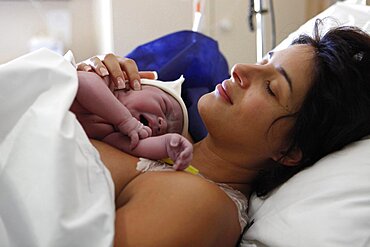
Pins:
x: 173, y: 146
x: 94, y: 95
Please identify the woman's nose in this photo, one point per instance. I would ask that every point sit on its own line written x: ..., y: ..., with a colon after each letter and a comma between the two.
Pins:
x: 244, y: 74
x: 161, y: 126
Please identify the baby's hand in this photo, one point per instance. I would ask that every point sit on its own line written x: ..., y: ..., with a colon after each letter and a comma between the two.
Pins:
x: 180, y: 150
x: 134, y: 130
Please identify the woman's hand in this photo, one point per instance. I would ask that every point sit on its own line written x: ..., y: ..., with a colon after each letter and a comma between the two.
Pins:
x: 121, y: 73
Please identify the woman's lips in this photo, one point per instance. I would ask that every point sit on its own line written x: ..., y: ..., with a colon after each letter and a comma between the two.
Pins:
x: 221, y: 90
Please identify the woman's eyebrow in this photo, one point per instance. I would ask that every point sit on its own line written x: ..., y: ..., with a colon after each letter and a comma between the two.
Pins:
x: 283, y: 72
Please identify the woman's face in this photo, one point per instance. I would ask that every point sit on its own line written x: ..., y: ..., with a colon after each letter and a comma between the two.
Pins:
x: 154, y: 108
x: 239, y: 114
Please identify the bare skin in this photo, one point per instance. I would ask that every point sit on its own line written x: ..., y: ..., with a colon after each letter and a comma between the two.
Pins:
x: 114, y: 119
x: 180, y: 209
x: 183, y: 216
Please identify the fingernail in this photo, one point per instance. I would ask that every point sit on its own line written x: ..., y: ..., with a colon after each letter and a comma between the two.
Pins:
x: 174, y: 143
x: 121, y: 83
x: 87, y: 68
x: 137, y: 85
x: 155, y: 75
x: 104, y: 71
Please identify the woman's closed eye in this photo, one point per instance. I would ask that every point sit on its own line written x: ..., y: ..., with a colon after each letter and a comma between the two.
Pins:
x: 268, y: 88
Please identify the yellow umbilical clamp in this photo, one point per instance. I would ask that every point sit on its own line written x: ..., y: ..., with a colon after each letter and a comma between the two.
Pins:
x: 190, y: 169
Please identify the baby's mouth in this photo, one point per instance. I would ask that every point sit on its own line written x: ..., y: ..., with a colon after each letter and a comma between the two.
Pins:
x: 143, y: 120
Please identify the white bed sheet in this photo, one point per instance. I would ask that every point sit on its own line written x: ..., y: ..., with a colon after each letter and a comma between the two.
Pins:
x: 54, y: 190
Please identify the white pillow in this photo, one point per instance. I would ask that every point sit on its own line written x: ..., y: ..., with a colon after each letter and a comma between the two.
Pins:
x: 327, y: 204
x: 342, y: 13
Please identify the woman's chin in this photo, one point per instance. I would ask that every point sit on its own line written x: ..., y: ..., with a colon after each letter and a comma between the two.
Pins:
x: 204, y: 103
x: 209, y: 110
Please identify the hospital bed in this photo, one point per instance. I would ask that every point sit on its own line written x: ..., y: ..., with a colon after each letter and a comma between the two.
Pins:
x: 325, y: 205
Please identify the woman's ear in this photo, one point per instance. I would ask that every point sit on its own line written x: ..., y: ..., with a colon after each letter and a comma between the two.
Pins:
x: 291, y: 159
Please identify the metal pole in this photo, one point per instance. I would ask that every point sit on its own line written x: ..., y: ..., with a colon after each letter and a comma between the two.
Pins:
x: 259, y: 29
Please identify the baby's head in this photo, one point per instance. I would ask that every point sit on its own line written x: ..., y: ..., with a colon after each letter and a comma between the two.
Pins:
x: 159, y: 106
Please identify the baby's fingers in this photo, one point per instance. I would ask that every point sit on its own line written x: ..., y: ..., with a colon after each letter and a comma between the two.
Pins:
x: 185, y: 156
x: 145, y: 132
x: 175, y: 141
x: 134, y: 139
x: 183, y: 161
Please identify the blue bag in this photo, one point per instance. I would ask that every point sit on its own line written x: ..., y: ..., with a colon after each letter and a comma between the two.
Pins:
x: 193, y: 55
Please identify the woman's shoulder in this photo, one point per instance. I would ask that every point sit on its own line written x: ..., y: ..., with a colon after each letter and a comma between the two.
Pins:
x: 186, y: 209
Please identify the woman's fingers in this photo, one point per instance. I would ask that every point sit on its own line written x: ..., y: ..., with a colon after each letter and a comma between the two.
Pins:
x: 123, y: 72
x: 148, y: 75
x: 98, y: 66
x: 93, y: 64
x: 84, y: 67
x: 116, y: 74
x: 132, y: 72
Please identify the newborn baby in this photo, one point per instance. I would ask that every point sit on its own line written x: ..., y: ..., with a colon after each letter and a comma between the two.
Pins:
x: 145, y: 123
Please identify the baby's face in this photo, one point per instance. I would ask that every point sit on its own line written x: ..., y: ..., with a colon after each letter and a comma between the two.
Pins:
x: 156, y: 109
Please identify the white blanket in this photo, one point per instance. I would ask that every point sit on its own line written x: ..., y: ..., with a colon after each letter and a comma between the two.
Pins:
x: 54, y: 190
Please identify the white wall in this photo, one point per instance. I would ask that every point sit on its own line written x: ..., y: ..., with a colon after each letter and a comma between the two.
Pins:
x: 20, y: 21
x: 138, y: 21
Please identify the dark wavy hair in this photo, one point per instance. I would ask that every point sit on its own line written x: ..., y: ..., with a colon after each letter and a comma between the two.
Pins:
x: 336, y: 109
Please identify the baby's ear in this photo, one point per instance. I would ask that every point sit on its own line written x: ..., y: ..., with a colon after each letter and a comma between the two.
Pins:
x: 291, y: 159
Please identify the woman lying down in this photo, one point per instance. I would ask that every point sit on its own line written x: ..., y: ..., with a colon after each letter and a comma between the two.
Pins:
x: 267, y: 122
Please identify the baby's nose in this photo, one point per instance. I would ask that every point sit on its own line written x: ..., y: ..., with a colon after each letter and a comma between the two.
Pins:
x: 162, y: 126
